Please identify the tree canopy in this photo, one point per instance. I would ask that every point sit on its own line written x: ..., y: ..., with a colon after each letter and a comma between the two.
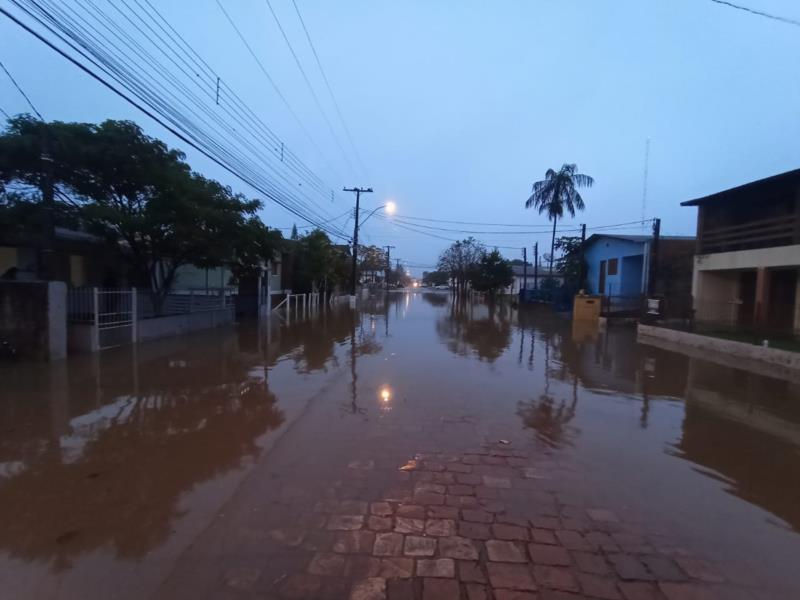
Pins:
x: 493, y: 273
x: 136, y: 193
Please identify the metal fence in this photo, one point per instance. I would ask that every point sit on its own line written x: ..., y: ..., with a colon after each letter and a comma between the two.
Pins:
x: 114, y: 312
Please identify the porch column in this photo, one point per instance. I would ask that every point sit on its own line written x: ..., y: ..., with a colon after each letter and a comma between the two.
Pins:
x: 762, y: 296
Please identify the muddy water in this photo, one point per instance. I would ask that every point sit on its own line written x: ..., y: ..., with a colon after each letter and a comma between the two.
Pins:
x: 142, y: 471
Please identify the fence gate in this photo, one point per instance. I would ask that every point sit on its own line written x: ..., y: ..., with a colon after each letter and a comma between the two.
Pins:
x: 115, y: 317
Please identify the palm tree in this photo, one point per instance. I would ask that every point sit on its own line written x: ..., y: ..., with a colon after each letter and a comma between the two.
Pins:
x: 557, y: 191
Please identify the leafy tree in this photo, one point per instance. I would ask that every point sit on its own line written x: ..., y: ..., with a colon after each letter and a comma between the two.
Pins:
x: 139, y: 195
x: 371, y: 259
x: 570, y: 264
x: 493, y: 273
x: 555, y: 193
x: 318, y: 264
x: 460, y: 261
x: 295, y: 235
x: 435, y: 278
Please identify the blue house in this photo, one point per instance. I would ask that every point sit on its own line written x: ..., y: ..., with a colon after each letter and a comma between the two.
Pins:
x: 618, y: 266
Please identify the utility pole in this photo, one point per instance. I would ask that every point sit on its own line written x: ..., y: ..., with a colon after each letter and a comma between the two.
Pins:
x: 654, y: 256
x: 46, y: 261
x: 524, y: 272
x: 581, y: 270
x: 388, y: 265
x: 536, y: 266
x: 358, y: 192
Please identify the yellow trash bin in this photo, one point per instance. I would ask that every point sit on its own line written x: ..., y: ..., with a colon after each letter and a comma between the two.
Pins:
x: 586, y: 307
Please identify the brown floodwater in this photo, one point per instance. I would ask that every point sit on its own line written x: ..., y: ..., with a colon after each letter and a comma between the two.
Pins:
x: 133, y: 473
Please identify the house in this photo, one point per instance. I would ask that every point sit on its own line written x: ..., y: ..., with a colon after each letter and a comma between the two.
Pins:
x: 625, y: 268
x: 525, y: 279
x: 748, y: 255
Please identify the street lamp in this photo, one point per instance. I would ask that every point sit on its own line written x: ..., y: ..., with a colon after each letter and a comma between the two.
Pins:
x: 390, y: 207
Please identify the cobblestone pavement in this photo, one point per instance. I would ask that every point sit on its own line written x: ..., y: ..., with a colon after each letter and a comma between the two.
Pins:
x: 486, y: 523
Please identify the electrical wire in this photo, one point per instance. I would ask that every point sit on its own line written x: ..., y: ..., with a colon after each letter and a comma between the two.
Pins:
x: 758, y: 12
x: 21, y: 91
x: 330, y: 91
x: 310, y: 87
x: 178, y: 125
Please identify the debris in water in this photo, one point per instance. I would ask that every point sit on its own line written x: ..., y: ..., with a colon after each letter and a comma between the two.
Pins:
x: 506, y: 442
x: 409, y: 466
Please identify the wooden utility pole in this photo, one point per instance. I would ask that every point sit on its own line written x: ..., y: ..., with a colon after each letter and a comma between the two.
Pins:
x: 653, y: 278
x: 388, y: 265
x: 582, y: 270
x: 353, y: 277
x: 536, y: 266
x: 524, y: 272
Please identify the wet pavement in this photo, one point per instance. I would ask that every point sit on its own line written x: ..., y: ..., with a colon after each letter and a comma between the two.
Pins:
x: 415, y: 449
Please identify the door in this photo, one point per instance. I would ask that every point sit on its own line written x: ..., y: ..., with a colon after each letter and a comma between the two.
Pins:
x: 601, y: 286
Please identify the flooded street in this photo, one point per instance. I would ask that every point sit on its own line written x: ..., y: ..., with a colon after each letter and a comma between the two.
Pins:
x: 327, y: 455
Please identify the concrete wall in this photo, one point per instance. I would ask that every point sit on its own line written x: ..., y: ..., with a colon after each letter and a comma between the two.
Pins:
x: 606, y: 249
x: 716, y: 295
x: 780, y: 256
x: 33, y: 318
x: 160, y: 327
x: 713, y: 346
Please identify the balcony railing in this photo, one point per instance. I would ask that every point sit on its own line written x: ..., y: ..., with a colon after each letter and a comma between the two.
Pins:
x: 761, y: 233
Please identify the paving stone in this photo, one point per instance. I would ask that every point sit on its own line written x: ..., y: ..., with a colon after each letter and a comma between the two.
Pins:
x: 419, y: 546
x: 514, y: 595
x: 544, y: 522
x: 629, y: 568
x: 544, y: 554
x: 543, y: 536
x: 440, y: 527
x: 354, y: 542
x: 411, y: 511
x: 603, y: 541
x: 493, y: 460
x: 639, y: 590
x: 301, y: 586
x: 318, y: 541
x: 430, y: 465
x: 535, y: 473
x: 476, y: 591
x: 365, y: 465
x: 686, y: 591
x: 477, y: 516
x: 326, y: 563
x: 510, y: 532
x: 469, y: 502
x: 511, y: 576
x: 470, y: 571
x: 376, y: 523
x: 400, y: 589
x: 492, y: 506
x: 352, y: 507
x: 427, y: 486
x: 506, y: 552
x: 388, y: 544
x: 436, y: 567
x: 589, y: 562
x: 596, y: 586
x: 475, y: 531
x: 396, y: 568
x: 699, y: 569
x: 361, y: 567
x: 441, y: 478
x: 442, y: 512
x: 428, y: 498
x: 511, y: 520
x: 461, y: 490
x: 440, y: 589
x: 345, y: 522
x: 572, y: 540
x: 496, y: 482
x: 663, y: 568
x: 459, y: 468
x: 458, y: 547
x: 469, y: 479
x: 487, y: 493
x: 406, y: 525
x: 381, y: 509
x: 373, y: 588
x: 603, y: 515
x: 288, y: 536
x: 398, y: 495
x: 556, y: 578
x: 241, y: 578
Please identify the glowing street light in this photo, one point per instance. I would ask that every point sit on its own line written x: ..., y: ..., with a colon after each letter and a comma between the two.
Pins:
x: 390, y: 207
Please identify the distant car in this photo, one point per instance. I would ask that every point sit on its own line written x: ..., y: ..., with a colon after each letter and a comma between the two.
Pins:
x: 442, y: 287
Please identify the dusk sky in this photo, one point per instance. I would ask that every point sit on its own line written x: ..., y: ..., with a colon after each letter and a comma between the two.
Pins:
x: 455, y: 108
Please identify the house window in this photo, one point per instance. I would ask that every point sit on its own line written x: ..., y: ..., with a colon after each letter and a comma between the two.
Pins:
x: 613, y: 264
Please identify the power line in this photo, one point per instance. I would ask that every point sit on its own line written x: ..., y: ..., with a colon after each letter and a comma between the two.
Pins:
x: 158, y: 110
x: 310, y: 87
x: 21, y: 91
x: 330, y: 91
x: 758, y: 12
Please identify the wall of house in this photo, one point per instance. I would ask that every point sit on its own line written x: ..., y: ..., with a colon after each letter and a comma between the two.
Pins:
x: 632, y: 272
x: 606, y: 249
x: 191, y: 277
x: 33, y: 318
x: 716, y: 295
x: 780, y: 256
